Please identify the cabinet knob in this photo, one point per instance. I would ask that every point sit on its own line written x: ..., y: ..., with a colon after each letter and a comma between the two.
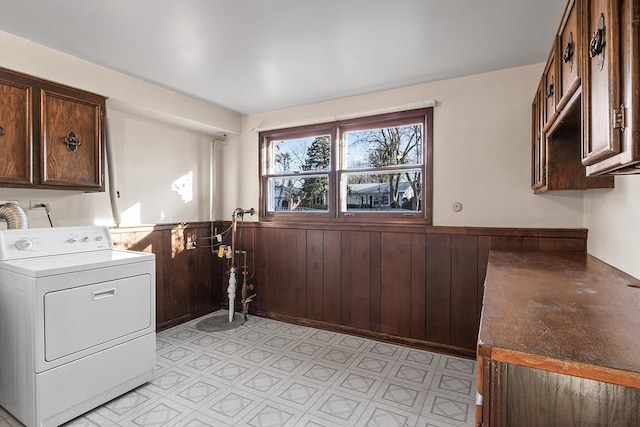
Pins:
x: 72, y: 141
x: 2, y: 132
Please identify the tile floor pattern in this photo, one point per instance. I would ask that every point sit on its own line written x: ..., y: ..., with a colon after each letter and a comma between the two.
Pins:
x: 269, y: 373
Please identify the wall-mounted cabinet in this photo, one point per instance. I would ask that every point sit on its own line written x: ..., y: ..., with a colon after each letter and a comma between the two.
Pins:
x: 549, y: 91
x: 51, y: 135
x: 16, y: 165
x: 568, y: 47
x: 587, y: 123
x: 611, y: 102
x: 556, y: 136
x: 556, y: 155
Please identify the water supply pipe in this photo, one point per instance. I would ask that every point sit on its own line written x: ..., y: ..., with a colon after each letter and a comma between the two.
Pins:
x: 231, y: 292
x: 231, y: 289
x: 114, y: 194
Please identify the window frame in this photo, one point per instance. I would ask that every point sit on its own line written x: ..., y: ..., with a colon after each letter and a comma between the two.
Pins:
x: 336, y: 130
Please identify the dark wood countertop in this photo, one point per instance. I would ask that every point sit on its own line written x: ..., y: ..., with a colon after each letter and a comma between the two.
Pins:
x: 569, y: 313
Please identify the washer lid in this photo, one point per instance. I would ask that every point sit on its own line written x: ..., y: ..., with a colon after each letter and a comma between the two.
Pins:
x: 69, y: 263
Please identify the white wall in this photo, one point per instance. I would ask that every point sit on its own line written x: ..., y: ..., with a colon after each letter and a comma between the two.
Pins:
x: 159, y: 136
x: 481, y: 154
x: 482, y: 157
x: 612, y: 217
x: 162, y: 174
x: 125, y: 93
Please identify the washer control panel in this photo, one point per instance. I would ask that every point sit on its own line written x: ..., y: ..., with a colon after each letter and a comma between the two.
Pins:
x: 36, y: 242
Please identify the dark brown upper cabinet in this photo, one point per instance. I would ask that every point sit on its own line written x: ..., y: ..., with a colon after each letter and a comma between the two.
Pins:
x: 556, y: 130
x: 591, y: 86
x: 611, y: 92
x: 549, y: 90
x: 538, y: 146
x: 569, y: 53
x: 16, y: 161
x: 51, y: 136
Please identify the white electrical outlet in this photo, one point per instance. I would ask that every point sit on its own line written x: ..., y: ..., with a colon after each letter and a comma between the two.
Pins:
x: 37, y: 204
x: 4, y: 202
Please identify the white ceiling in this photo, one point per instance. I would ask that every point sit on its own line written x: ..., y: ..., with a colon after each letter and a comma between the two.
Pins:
x: 259, y: 55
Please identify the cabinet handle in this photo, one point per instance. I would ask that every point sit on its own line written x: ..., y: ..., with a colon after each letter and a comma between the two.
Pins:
x: 72, y: 141
x: 596, y: 45
x: 2, y: 132
x: 567, y: 53
x: 549, y: 92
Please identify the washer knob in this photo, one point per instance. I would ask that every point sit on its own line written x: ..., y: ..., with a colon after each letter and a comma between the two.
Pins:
x: 23, y: 244
x: 72, y: 240
x: 85, y: 239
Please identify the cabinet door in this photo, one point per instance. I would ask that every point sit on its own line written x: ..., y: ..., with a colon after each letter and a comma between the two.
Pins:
x: 570, y: 53
x: 71, y: 141
x: 601, y: 71
x: 549, y: 89
x: 15, y: 134
x: 538, y: 150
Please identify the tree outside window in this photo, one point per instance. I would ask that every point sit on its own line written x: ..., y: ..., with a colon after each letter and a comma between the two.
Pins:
x: 374, y: 167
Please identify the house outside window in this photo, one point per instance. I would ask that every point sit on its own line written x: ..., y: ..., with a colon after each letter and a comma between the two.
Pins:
x: 376, y: 168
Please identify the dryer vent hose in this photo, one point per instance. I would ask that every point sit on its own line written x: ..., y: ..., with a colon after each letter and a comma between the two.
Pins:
x: 14, y: 215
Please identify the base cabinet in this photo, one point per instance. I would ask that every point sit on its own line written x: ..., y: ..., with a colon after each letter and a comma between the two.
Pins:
x: 558, y: 343
x: 519, y: 396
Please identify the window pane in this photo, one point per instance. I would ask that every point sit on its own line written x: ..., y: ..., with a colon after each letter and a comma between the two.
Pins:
x: 312, y: 154
x: 296, y: 194
x: 401, y: 145
x: 393, y: 191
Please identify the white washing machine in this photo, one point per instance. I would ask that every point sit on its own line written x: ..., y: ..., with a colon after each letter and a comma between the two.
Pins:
x: 77, y: 322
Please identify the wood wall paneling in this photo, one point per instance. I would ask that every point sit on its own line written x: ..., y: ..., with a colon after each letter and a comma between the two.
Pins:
x: 187, y: 281
x: 438, y: 289
x: 332, y: 277
x: 301, y: 273
x: 283, y: 275
x: 376, y: 254
x: 413, y: 285
x: 265, y: 255
x: 360, y: 283
x: 345, y: 278
x: 315, y: 271
x: 180, y: 274
x: 395, y: 284
x: 418, y: 286
x: 464, y: 295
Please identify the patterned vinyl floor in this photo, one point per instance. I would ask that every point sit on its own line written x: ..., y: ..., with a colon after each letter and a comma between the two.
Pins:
x: 270, y: 373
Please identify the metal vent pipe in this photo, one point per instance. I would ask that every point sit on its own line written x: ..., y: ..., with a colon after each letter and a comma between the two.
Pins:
x: 14, y: 216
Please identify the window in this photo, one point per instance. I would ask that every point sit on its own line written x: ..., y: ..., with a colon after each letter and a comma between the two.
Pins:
x: 370, y: 168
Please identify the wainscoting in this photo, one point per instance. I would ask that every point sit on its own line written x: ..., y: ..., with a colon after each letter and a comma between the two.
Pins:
x: 413, y: 285
x: 420, y: 286
x: 188, y: 282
